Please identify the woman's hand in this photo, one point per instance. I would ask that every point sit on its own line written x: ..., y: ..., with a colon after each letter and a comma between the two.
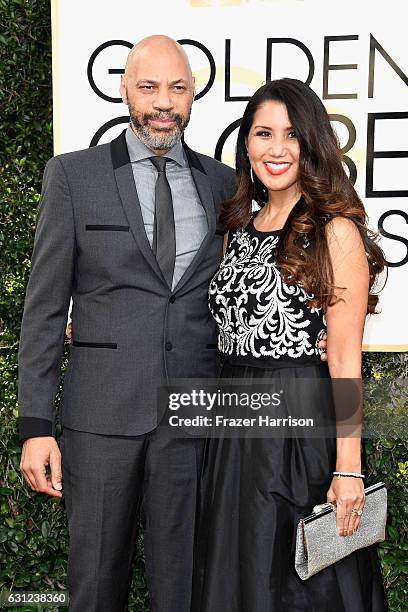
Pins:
x: 347, y: 495
x: 68, y: 333
x: 322, y: 346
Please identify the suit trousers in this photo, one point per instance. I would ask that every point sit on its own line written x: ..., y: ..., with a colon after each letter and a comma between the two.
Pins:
x: 109, y: 483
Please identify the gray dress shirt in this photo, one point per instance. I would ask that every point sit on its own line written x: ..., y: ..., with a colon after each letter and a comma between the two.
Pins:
x: 190, y: 219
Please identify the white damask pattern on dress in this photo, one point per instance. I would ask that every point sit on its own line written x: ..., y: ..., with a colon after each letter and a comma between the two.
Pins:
x: 258, y: 314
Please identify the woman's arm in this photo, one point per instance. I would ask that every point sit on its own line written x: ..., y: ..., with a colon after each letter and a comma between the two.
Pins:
x: 345, y: 327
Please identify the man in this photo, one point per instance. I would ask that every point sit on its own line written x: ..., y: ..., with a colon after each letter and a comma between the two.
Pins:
x: 138, y: 274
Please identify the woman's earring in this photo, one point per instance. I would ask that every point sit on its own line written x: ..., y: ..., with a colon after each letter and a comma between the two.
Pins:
x: 251, y: 174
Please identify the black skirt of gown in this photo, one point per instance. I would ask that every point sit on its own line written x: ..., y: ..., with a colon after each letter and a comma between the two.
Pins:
x: 254, y: 490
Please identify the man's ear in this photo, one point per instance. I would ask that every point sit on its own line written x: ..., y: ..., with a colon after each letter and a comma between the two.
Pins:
x: 194, y: 88
x: 122, y: 89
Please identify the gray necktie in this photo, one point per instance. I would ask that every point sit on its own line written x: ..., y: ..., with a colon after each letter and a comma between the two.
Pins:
x: 164, y: 234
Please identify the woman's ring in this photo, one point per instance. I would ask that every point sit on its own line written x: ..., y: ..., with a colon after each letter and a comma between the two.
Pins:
x: 357, y: 511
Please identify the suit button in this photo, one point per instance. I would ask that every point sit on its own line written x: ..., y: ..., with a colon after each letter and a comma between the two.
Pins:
x: 168, y: 346
x: 172, y: 299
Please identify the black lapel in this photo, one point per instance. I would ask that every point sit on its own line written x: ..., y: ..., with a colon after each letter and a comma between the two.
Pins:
x: 130, y: 200
x: 203, y: 186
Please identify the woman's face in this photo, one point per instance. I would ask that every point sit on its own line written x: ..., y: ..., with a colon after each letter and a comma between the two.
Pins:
x: 273, y: 148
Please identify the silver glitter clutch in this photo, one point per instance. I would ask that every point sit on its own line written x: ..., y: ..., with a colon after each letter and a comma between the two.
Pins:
x: 318, y: 543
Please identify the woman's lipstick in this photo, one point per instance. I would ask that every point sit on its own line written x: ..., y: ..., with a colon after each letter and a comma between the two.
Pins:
x: 277, y: 168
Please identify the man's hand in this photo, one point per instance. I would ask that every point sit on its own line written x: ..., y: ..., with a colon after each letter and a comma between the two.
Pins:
x: 322, y: 345
x: 36, y: 455
x: 68, y: 333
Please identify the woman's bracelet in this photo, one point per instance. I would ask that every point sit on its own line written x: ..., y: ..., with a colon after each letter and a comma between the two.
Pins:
x: 353, y: 474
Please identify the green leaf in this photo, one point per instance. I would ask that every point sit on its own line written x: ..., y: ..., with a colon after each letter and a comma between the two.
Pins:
x: 45, y: 529
x: 6, y: 491
x: 12, y: 546
x: 393, y: 532
x: 19, y: 536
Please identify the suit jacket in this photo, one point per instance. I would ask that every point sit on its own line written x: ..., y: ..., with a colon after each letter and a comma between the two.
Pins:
x: 131, y: 333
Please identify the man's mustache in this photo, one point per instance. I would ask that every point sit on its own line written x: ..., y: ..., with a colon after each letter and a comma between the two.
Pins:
x: 178, y: 119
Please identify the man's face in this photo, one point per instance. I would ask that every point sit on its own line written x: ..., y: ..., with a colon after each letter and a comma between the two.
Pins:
x: 159, y: 91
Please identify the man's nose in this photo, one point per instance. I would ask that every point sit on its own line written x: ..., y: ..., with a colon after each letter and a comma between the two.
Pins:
x: 163, y: 99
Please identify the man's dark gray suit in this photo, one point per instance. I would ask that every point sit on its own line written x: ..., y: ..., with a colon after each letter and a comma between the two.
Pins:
x: 131, y: 333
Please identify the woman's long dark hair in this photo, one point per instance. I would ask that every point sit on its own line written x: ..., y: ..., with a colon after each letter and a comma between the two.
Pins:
x: 326, y: 190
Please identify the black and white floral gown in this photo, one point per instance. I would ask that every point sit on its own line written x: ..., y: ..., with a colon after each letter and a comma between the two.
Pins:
x: 261, y: 319
x: 255, y: 489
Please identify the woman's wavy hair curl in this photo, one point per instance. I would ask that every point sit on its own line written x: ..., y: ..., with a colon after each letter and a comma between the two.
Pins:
x: 327, y: 192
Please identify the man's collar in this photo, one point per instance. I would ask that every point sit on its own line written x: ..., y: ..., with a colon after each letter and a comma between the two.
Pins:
x: 138, y: 150
x: 120, y: 154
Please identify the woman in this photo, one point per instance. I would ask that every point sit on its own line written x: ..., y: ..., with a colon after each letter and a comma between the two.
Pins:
x: 304, y: 263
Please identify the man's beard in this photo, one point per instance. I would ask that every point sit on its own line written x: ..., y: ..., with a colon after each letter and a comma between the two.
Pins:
x: 158, y: 139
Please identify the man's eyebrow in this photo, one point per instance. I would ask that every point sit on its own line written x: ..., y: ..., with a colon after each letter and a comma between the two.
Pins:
x: 153, y: 82
x: 184, y: 81
x: 148, y: 81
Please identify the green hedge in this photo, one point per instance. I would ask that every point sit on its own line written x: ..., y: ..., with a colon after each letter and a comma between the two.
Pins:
x: 33, y: 528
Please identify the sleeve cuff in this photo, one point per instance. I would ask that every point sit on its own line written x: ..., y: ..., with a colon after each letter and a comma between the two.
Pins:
x: 32, y: 427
